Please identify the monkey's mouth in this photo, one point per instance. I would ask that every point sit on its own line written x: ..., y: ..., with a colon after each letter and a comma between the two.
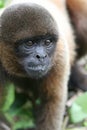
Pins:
x: 37, y: 68
x: 36, y: 71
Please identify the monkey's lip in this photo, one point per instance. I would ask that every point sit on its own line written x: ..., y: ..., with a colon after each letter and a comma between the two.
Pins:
x: 37, y: 68
x: 37, y: 71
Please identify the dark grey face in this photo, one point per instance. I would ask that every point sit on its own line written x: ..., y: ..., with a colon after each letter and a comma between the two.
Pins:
x: 35, y: 54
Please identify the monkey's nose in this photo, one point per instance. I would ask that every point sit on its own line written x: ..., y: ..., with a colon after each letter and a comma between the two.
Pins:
x: 38, y: 56
x: 41, y: 57
x: 40, y: 53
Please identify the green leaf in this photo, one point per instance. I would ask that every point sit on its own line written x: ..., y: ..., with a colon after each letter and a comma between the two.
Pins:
x: 20, y: 117
x: 20, y: 100
x: 85, y: 123
x: 23, y: 124
x: 4, y: 3
x: 78, y: 110
x: 1, y: 3
x: 17, y: 109
x: 9, y: 97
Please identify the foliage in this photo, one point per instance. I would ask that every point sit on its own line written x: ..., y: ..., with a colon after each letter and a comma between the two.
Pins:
x: 17, y: 109
x: 78, y: 110
x: 3, y: 3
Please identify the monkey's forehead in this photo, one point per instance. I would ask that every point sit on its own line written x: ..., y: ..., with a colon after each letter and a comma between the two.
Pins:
x: 26, y: 19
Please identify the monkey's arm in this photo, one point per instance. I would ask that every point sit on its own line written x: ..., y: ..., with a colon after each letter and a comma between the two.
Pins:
x: 52, y: 110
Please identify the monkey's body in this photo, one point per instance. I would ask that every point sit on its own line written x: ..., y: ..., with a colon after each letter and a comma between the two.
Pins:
x: 37, y: 49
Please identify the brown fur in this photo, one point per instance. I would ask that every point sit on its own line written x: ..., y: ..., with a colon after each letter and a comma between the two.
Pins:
x: 78, y: 14
x: 48, y: 89
x: 53, y: 88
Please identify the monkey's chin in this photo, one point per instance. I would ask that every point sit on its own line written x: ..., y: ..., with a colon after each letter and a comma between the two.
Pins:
x: 36, y: 73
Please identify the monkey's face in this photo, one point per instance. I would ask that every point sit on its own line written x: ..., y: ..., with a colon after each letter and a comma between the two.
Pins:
x: 35, y: 54
x: 29, y: 33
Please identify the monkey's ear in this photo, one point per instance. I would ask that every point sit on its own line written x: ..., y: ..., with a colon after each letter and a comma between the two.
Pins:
x: 78, y: 15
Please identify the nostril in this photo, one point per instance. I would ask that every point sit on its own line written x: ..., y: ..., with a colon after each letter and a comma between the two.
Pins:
x: 41, y: 56
x: 37, y: 56
x: 45, y: 56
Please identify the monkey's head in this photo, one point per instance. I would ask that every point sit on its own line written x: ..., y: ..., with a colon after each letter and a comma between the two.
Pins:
x: 28, y: 40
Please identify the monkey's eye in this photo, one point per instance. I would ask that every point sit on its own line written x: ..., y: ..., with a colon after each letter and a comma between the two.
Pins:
x: 48, y: 42
x: 29, y: 43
